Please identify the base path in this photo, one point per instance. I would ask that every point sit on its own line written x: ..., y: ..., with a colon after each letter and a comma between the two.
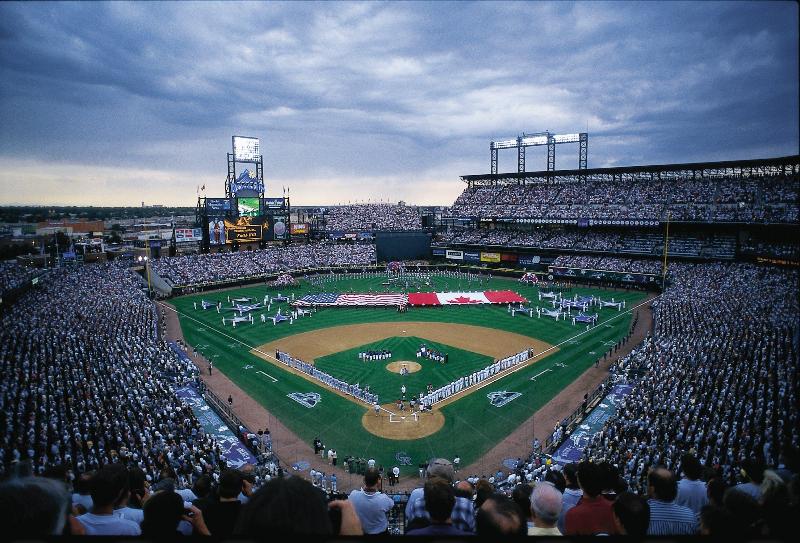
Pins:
x: 309, y: 346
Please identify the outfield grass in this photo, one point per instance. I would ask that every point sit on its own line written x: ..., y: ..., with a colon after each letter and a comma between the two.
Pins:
x: 472, y: 424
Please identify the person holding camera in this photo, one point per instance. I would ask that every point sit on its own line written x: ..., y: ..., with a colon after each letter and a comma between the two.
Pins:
x: 371, y: 505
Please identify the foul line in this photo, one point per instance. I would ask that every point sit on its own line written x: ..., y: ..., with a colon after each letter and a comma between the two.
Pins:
x: 267, y: 375
x: 540, y: 373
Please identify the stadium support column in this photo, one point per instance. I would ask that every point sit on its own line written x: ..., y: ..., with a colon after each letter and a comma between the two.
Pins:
x: 520, y: 155
x: 493, y: 164
x: 551, y: 153
x: 583, y: 152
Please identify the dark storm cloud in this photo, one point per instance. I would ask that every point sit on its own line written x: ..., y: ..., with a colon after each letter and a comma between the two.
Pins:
x: 380, y: 99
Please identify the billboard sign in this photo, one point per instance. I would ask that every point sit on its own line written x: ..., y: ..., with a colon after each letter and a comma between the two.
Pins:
x: 299, y: 229
x: 248, y: 207
x: 188, y: 234
x: 528, y: 260
x: 279, y: 227
x: 218, y: 206
x: 242, y: 231
x: 246, y: 149
x: 508, y: 257
x: 472, y: 256
x: 435, y: 251
x: 216, y: 232
x: 273, y: 203
x: 490, y: 257
x: 454, y: 255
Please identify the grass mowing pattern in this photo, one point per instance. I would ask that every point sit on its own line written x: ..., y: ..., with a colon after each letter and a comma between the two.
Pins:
x: 472, y: 426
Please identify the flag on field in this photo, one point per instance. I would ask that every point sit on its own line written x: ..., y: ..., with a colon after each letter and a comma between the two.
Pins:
x: 353, y: 300
x: 465, y: 298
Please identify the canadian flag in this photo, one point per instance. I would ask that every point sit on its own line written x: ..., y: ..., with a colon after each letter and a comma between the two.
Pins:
x: 462, y: 298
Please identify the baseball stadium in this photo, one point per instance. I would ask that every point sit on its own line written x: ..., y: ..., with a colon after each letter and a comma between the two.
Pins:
x: 325, y: 329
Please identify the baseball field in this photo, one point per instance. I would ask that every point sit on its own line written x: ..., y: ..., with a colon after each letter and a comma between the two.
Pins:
x: 466, y: 424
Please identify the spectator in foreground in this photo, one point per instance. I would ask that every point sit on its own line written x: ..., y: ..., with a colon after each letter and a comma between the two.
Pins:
x: 500, y: 516
x: 33, y: 506
x: 163, y: 513
x: 439, y: 501
x: 592, y: 515
x: 371, y: 505
x: 522, y: 497
x: 463, y: 512
x: 631, y: 514
x: 571, y: 494
x: 545, y: 506
x: 108, y: 487
x: 667, y: 517
x: 691, y: 490
x: 717, y: 522
x: 293, y: 506
x: 221, y: 516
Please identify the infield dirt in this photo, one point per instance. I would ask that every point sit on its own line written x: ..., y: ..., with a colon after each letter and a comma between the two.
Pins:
x: 309, y: 346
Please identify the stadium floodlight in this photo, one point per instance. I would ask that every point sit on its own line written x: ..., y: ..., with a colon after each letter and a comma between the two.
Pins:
x: 534, y: 140
x: 567, y: 138
x: 505, y: 144
x: 537, y: 139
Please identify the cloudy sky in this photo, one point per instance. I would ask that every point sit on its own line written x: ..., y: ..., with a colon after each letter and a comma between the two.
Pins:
x: 112, y: 104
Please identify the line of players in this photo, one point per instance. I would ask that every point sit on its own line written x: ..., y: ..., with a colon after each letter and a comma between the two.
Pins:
x: 425, y: 352
x: 369, y: 356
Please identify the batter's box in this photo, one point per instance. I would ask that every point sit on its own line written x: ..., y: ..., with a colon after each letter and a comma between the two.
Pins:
x: 411, y: 417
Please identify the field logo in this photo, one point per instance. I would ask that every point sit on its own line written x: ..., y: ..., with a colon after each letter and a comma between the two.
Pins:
x: 502, y: 397
x: 307, y: 399
x: 403, y: 458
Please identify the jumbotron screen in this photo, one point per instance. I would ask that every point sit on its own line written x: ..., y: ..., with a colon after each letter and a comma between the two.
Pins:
x: 248, y: 207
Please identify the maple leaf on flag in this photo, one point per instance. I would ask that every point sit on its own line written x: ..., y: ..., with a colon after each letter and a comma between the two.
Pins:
x: 463, y: 300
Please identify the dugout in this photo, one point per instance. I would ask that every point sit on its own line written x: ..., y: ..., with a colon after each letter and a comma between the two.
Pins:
x: 406, y: 245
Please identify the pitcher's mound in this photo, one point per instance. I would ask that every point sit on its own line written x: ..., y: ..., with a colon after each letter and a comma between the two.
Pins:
x: 402, y: 425
x: 397, y: 366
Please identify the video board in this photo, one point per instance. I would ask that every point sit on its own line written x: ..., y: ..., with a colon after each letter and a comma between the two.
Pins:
x: 248, y: 207
x: 279, y: 227
x: 216, y: 231
x: 244, y: 230
x: 218, y: 207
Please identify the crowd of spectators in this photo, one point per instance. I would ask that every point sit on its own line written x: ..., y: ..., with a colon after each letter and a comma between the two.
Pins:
x: 200, y: 269
x: 608, y: 263
x: 725, y: 199
x: 647, y: 242
x: 87, y: 381
x: 369, y: 217
x: 12, y: 275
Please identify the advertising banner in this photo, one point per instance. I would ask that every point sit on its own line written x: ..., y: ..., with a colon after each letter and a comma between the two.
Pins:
x: 242, y: 231
x: 365, y: 235
x: 299, y: 229
x: 454, y: 255
x: 216, y: 231
x: 217, y: 207
x: 490, y: 257
x: 273, y: 203
x: 247, y: 182
x: 508, y: 257
x: 351, y: 235
x: 188, y: 235
x: 437, y: 251
x: 471, y: 257
x: 528, y: 260
x: 279, y: 227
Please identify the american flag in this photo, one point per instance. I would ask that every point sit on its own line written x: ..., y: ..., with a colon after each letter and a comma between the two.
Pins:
x: 333, y: 299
